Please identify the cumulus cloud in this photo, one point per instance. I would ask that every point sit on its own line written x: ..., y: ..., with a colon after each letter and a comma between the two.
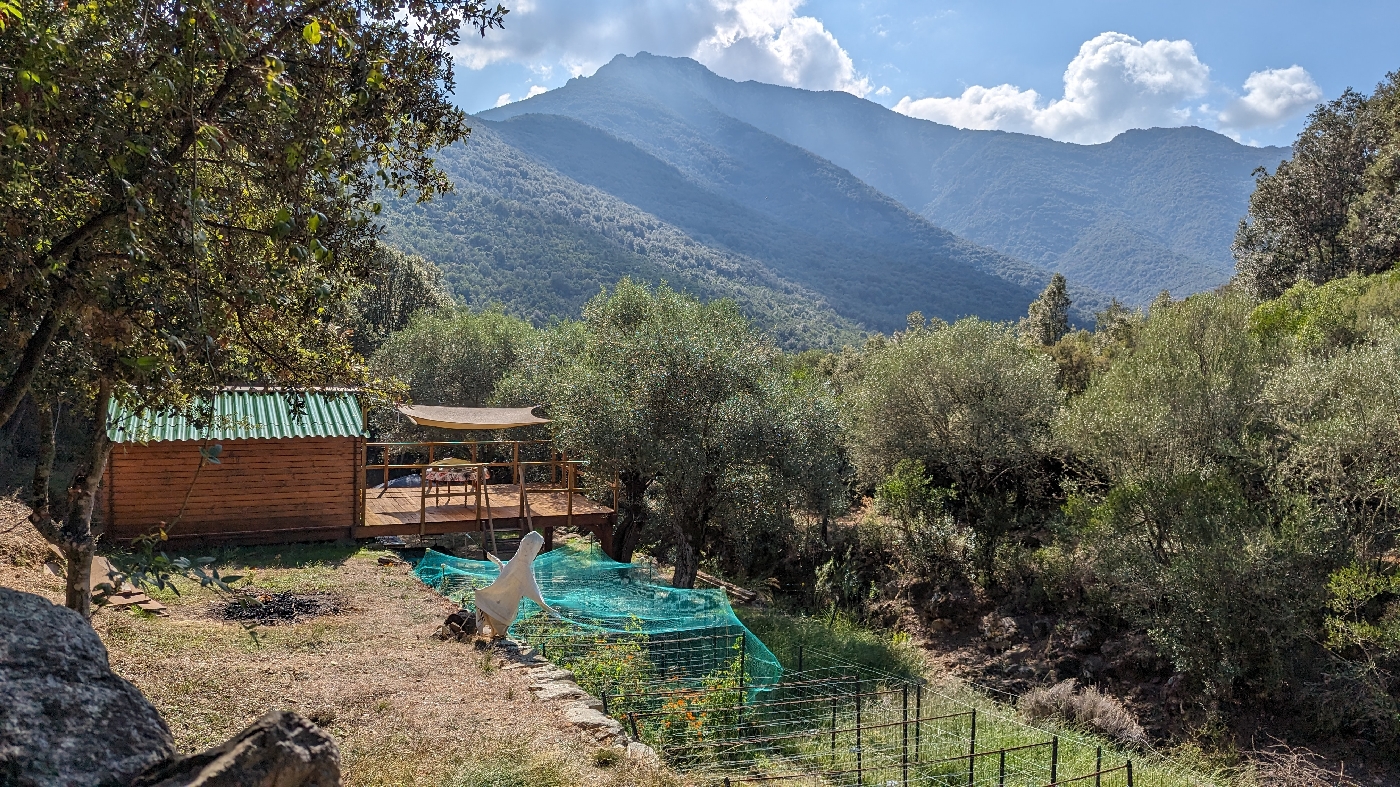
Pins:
x: 1271, y: 97
x: 765, y: 40
x: 1116, y: 82
x: 535, y: 90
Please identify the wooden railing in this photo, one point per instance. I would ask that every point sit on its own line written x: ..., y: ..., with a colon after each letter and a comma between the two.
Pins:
x: 563, y: 473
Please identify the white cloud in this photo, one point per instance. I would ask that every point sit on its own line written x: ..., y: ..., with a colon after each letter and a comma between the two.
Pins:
x: 1271, y: 97
x: 1116, y: 82
x: 535, y: 90
x: 883, y: 91
x: 765, y: 40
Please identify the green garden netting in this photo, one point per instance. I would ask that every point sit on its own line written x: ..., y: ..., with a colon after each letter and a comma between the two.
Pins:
x: 689, y: 635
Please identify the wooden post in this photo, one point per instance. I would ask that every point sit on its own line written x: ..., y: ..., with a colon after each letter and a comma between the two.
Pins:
x: 632, y: 717
x: 385, y: 487
x: 361, y: 459
x: 1098, y: 766
x: 569, y: 476
x: 1130, y: 773
x: 422, y: 501
x: 519, y: 477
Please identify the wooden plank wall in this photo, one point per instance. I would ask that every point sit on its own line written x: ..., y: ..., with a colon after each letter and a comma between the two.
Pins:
x: 262, y: 491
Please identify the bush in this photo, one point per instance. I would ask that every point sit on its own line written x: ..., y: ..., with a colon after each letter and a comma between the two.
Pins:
x: 1088, y: 708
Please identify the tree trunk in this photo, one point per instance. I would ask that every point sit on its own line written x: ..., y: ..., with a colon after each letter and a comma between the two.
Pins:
x: 686, y: 559
x: 43, y: 467
x: 632, y: 516
x: 75, y: 536
x: 28, y: 366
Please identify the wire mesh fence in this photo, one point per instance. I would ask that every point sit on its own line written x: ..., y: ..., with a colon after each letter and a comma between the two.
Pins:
x: 827, y: 722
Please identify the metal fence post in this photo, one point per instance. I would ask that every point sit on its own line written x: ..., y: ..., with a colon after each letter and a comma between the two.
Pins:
x: 1098, y: 766
x: 860, y: 773
x: 1001, y: 770
x: 1130, y: 773
x: 833, y: 732
x: 972, y: 749
x: 918, y: 719
x: 904, y: 729
x: 743, y: 659
x: 1054, y: 759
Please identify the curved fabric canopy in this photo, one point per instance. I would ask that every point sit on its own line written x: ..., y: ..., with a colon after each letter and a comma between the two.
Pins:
x: 471, y: 417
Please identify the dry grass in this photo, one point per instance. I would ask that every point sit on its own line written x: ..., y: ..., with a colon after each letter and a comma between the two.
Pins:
x: 406, y: 709
x: 1284, y: 766
x: 1088, y: 708
x: 23, y: 552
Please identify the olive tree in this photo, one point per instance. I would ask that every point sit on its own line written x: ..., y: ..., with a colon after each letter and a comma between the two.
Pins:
x: 975, y: 406
x: 687, y: 405
x: 189, y: 192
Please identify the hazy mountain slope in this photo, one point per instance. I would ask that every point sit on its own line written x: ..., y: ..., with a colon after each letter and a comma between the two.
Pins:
x: 518, y: 233
x: 1147, y: 211
x: 799, y: 190
x: 865, y: 278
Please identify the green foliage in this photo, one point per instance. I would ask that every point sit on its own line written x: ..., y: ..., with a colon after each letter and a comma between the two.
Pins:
x: 1185, y: 400
x: 400, y: 285
x: 837, y: 634
x: 1048, y: 317
x: 1339, y: 417
x: 187, y: 196
x: 520, y: 234
x: 1310, y: 318
x: 1365, y: 611
x: 688, y: 405
x: 451, y: 357
x: 973, y: 405
x: 1334, y: 208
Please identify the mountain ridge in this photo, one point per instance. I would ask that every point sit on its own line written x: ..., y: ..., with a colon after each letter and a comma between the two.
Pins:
x: 1149, y: 210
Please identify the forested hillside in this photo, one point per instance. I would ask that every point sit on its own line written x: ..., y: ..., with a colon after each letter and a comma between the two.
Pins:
x: 1150, y: 210
x: 547, y: 210
x: 520, y: 234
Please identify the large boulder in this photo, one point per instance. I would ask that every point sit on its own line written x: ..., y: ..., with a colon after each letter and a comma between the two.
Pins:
x: 65, y: 718
x: 282, y: 749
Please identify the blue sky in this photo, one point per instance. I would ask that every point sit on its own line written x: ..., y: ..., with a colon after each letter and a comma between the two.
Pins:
x: 1248, y: 69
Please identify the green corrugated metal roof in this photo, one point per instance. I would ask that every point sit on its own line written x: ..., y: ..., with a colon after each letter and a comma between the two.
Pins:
x: 242, y: 415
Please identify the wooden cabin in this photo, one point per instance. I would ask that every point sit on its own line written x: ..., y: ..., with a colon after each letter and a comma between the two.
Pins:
x: 261, y: 474
x: 277, y: 476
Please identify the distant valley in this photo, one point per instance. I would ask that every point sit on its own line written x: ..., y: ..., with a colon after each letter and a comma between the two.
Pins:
x: 825, y: 216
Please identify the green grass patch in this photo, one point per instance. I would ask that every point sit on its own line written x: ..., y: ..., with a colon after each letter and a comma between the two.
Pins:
x: 837, y: 635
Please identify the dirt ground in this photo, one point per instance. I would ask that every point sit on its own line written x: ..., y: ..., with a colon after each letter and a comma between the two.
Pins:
x: 405, y: 708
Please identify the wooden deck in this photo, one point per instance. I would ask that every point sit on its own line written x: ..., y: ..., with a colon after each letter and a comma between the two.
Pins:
x: 400, y: 512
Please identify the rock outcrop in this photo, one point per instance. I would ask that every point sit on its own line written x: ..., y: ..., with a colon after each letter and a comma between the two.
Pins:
x: 282, y: 749
x: 65, y: 718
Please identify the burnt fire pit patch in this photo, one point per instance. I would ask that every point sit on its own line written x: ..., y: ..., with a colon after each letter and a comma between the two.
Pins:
x: 263, y: 608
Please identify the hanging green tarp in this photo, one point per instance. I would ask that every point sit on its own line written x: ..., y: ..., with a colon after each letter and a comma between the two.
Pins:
x: 595, y: 593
